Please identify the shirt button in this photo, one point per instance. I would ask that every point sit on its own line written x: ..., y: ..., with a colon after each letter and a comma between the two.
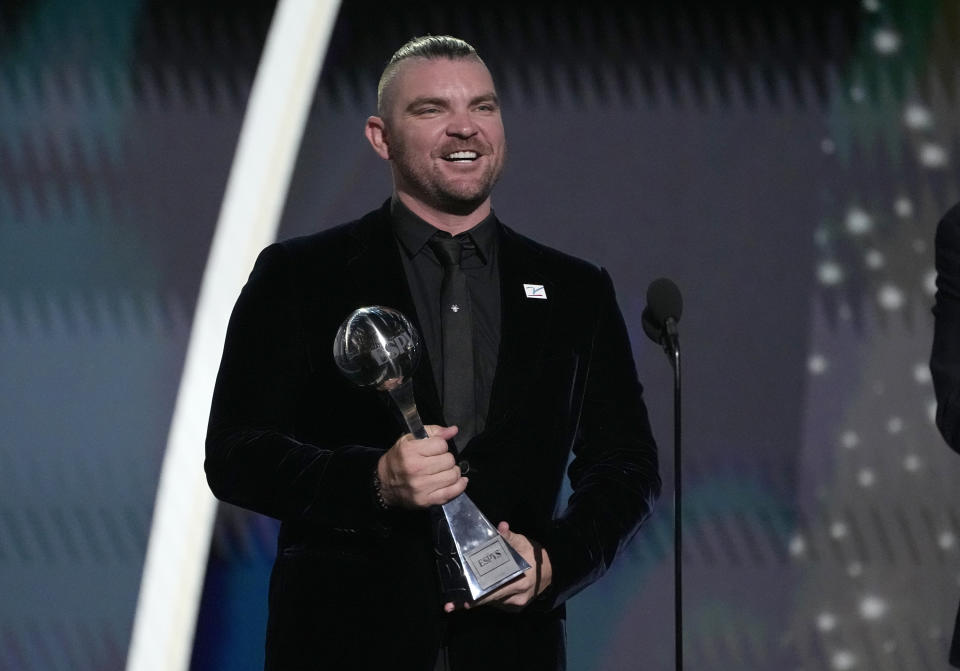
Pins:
x: 464, y: 466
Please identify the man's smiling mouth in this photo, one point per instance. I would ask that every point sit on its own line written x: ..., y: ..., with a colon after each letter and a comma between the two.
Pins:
x: 461, y: 156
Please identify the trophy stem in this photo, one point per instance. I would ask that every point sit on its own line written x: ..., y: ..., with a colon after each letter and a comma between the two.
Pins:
x: 402, y: 395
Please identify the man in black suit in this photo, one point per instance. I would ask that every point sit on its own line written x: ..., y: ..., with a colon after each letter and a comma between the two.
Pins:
x: 945, y: 357
x: 354, y: 584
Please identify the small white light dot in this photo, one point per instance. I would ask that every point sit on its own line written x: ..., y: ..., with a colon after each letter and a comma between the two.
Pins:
x: 932, y: 410
x: 886, y: 41
x: 917, y: 116
x: 871, y: 5
x: 872, y: 607
x: 854, y: 569
x: 857, y: 93
x: 817, y: 364
x: 866, y: 478
x: 911, y: 462
x: 827, y: 146
x: 894, y: 425
x: 858, y: 221
x: 874, y: 259
x: 829, y: 273
x: 849, y: 439
x: 890, y: 297
x: 921, y: 373
x: 903, y: 206
x: 933, y: 156
x: 838, y: 530
x: 798, y: 546
x: 930, y: 282
x: 919, y: 245
x: 842, y: 660
x: 826, y: 621
x: 946, y: 540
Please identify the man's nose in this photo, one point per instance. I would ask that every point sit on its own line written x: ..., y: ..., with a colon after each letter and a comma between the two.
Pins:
x: 462, y: 125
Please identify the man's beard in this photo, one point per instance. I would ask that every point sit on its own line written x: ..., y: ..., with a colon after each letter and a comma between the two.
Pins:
x: 440, y: 193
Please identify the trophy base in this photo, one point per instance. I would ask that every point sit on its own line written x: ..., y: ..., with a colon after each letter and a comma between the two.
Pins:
x: 484, y: 560
x: 453, y: 584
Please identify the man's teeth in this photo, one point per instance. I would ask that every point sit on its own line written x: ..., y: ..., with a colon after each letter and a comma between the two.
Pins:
x: 461, y: 156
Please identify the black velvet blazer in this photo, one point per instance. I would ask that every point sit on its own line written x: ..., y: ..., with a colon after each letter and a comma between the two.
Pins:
x: 945, y: 357
x: 289, y: 437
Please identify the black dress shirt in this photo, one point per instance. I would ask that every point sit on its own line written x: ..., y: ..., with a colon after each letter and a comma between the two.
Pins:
x: 425, y: 276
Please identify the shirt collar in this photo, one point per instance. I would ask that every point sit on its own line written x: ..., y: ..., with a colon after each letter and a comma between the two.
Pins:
x: 414, y: 233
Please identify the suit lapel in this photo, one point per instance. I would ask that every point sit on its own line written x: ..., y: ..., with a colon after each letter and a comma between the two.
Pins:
x: 524, y: 327
x: 377, y: 278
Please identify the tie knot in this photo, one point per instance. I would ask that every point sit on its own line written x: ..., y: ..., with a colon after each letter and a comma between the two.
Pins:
x: 447, y: 249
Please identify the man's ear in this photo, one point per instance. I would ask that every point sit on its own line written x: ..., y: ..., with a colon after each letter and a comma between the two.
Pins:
x: 376, y: 133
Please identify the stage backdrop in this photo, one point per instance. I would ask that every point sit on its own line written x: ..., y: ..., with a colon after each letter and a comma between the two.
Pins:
x: 785, y: 165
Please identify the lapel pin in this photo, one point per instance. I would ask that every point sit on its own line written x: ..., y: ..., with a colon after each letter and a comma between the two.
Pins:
x: 535, y: 291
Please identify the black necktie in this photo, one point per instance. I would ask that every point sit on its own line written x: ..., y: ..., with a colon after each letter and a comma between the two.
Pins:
x: 456, y: 324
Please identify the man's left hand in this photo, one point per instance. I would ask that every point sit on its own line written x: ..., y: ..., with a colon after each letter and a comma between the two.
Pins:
x: 518, y: 594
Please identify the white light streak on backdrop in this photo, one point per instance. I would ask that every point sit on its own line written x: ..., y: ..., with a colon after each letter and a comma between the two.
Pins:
x: 185, y: 509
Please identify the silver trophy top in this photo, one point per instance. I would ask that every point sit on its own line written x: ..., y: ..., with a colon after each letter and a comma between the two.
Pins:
x: 377, y: 346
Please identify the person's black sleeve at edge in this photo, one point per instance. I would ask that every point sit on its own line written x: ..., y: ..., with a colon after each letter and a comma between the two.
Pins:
x: 945, y: 357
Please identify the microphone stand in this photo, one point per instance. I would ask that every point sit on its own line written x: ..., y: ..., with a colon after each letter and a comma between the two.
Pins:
x: 671, y: 345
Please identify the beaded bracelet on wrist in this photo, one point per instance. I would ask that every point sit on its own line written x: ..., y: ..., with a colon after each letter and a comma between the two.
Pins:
x: 377, y: 493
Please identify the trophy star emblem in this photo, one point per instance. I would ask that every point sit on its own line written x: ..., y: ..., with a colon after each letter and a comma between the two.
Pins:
x: 455, y: 308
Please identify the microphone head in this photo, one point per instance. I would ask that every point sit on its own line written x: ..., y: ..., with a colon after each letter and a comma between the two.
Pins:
x: 653, y: 330
x: 663, y: 301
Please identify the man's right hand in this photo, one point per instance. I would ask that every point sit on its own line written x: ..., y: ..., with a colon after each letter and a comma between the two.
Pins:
x: 419, y: 473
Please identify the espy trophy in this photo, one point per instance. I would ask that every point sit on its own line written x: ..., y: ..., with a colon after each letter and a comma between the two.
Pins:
x: 378, y: 347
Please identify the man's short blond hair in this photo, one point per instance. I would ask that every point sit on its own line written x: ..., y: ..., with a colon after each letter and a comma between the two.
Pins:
x: 428, y: 46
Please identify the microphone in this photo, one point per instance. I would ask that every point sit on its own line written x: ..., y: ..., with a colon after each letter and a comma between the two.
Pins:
x: 660, y: 317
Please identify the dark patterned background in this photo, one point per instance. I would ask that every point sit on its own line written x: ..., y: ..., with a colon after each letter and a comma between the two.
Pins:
x: 786, y: 165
